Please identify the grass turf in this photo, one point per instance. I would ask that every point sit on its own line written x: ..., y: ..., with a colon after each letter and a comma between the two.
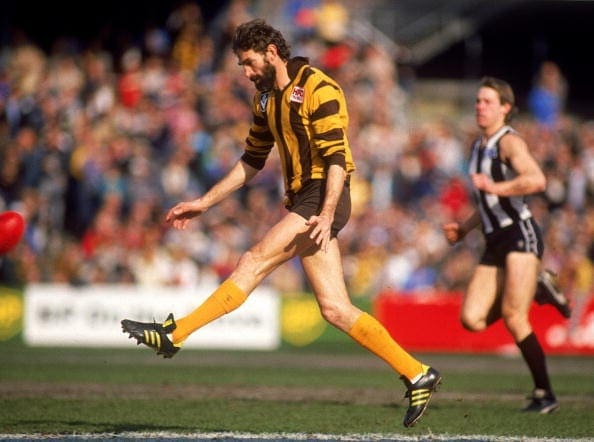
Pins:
x: 68, y: 390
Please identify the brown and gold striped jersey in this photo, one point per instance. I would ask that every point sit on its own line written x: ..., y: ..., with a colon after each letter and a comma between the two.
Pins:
x: 307, y: 120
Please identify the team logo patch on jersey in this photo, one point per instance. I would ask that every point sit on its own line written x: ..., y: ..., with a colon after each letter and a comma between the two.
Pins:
x: 298, y: 94
x: 492, y: 153
x: 263, y: 101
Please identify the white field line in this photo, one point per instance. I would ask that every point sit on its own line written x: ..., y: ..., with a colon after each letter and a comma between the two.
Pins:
x: 236, y: 437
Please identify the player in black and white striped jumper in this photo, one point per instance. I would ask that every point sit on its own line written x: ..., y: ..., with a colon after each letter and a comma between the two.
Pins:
x: 503, y: 173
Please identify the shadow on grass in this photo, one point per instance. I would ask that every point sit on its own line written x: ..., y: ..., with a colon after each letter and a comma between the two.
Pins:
x: 65, y: 426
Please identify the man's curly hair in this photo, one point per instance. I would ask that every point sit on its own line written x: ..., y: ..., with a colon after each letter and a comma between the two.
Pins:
x: 257, y: 35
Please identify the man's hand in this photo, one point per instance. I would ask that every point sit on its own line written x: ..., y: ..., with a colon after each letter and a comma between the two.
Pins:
x: 321, y: 230
x: 482, y: 182
x: 452, y: 232
x: 180, y: 214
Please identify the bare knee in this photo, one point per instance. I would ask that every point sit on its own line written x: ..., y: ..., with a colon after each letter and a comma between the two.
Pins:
x: 254, y: 263
x: 473, y: 323
x: 336, y: 314
x: 517, y: 324
x: 331, y: 312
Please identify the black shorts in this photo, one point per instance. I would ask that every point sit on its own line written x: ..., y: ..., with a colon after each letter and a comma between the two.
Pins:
x: 524, y: 236
x: 308, y: 202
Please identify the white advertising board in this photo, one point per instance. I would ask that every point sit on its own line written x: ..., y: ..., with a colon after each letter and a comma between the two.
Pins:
x: 62, y: 315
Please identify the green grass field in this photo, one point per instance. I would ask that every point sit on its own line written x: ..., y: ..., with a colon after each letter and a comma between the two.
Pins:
x: 332, y: 390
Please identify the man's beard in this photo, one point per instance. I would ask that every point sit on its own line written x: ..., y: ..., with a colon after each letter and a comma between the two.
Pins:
x: 265, y: 82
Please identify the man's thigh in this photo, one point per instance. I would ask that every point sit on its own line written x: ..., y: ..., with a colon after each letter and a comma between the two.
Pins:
x: 325, y: 275
x: 286, y: 239
x: 482, y: 293
x: 520, y: 284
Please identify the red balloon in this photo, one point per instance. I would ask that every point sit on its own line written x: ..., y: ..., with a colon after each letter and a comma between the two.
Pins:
x: 12, y: 227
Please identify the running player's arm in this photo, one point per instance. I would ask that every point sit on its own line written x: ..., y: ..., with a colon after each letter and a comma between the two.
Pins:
x: 530, y: 178
x: 455, y: 231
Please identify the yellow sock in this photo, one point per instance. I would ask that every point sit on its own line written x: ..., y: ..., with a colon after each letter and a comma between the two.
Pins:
x: 225, y: 299
x: 372, y: 335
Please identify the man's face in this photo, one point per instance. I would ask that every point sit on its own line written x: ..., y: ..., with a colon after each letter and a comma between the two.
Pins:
x: 258, y: 69
x: 489, y: 111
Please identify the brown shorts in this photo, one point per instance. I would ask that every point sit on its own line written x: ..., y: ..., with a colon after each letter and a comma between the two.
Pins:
x: 308, y: 202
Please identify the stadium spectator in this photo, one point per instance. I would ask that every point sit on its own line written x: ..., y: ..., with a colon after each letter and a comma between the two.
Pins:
x: 90, y: 145
x: 548, y: 94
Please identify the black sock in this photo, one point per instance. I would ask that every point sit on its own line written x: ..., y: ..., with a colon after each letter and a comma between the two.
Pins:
x: 535, y: 359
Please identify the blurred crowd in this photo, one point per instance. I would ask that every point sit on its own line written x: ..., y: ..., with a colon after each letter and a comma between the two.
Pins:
x: 96, y: 146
